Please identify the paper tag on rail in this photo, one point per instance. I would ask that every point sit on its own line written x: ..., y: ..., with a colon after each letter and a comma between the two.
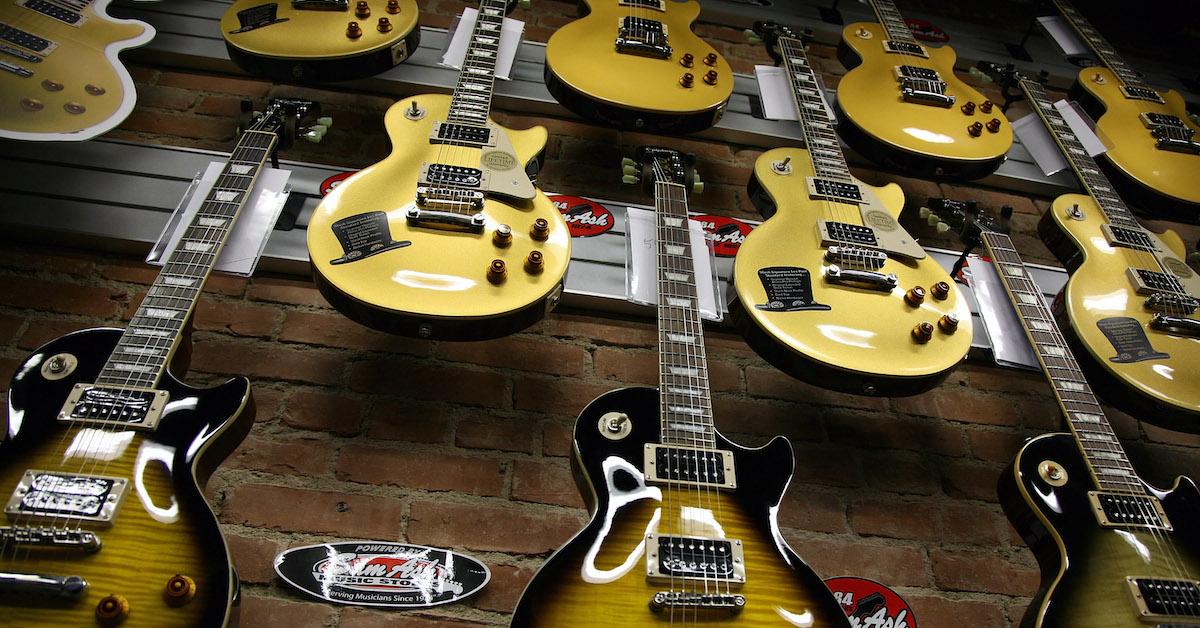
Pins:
x: 1082, y: 126
x: 1041, y: 145
x: 775, y: 90
x: 1061, y: 32
x: 642, y: 269
x: 511, y: 33
x: 249, y: 235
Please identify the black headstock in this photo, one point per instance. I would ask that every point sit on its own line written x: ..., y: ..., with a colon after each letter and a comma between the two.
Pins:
x: 1007, y: 78
x: 966, y: 219
x: 655, y: 163
x: 288, y: 118
x: 770, y: 33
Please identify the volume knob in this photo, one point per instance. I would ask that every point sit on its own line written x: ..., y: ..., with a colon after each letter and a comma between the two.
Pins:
x: 922, y: 332
x: 915, y: 296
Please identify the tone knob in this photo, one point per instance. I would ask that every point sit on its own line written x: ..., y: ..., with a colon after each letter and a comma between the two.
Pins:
x: 362, y: 10
x: 710, y: 77
x: 686, y: 79
x: 710, y: 59
x: 922, y: 332
x: 968, y: 108
x: 915, y: 296
x: 975, y: 129
x: 74, y: 108
x: 393, y: 6
x: 502, y: 237
x: 687, y: 60
x: 385, y: 25
x: 948, y: 323
x: 32, y: 104
x: 940, y: 290
x: 353, y: 30
x: 112, y: 610
x: 993, y: 125
x: 540, y: 230
x: 180, y: 590
x: 94, y: 90
x: 497, y: 271
x: 535, y: 263
x: 52, y: 86
x: 986, y: 106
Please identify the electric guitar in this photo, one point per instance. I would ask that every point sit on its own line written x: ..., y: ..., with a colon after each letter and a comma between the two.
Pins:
x: 683, y: 521
x: 636, y: 64
x: 1153, y: 152
x: 320, y: 40
x: 902, y: 106
x: 1129, y: 308
x: 447, y: 237
x: 106, y: 451
x: 1113, y: 550
x: 60, y: 78
x: 831, y: 289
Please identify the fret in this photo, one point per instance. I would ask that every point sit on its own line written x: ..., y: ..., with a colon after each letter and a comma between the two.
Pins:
x: 472, y: 98
x: 1099, y: 45
x: 891, y: 19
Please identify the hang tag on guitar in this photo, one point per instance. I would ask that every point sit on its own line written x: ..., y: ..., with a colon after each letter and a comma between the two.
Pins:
x: 642, y: 262
x: 511, y: 33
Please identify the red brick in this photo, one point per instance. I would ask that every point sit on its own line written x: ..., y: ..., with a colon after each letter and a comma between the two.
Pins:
x: 335, y: 330
x: 555, y: 395
x: 997, y: 379
x: 740, y: 415
x: 806, y: 509
x: 983, y: 572
x: 940, y: 611
x: 414, y: 422
x: 995, y: 445
x: 158, y: 97
x: 8, y: 368
x: 362, y: 618
x: 896, y: 519
x: 314, y: 410
x: 141, y: 273
x: 285, y: 291
x: 1157, y: 434
x: 959, y: 404
x: 429, y: 470
x: 874, y: 431
x: 641, y: 367
x: 483, y: 527
x: 9, y: 326
x: 521, y: 353
x: 769, y: 382
x: 557, y: 439
x: 180, y: 125
x: 37, y: 261
x: 224, y: 106
x: 65, y: 298
x: 970, y: 480
x: 545, y: 484
x: 41, y: 331
x: 254, y: 557
x: 264, y: 611
x: 303, y: 456
x: 826, y: 465
x: 245, y: 88
x: 1124, y: 426
x: 267, y: 361
x: 972, y: 523
x: 502, y: 593
x: 266, y: 403
x: 492, y: 433
x: 601, y: 331
x: 238, y: 319
x: 899, y: 472
x: 430, y: 383
x: 891, y: 564
x: 323, y: 512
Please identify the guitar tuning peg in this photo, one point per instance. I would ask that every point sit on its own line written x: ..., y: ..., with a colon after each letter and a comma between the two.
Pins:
x: 932, y: 219
x: 697, y: 186
x: 979, y: 74
x: 325, y: 121
x: 942, y: 227
x: 316, y: 133
x: 924, y: 213
x: 752, y: 36
x: 629, y: 170
x: 629, y: 179
x: 628, y: 163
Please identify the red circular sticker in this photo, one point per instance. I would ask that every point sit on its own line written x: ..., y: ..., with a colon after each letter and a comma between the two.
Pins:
x: 585, y: 218
x: 870, y: 604
x: 927, y: 31
x: 332, y: 182
x: 726, y: 234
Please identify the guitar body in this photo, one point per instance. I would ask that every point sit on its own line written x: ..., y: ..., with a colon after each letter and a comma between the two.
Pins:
x: 1159, y: 181
x: 586, y: 73
x: 599, y: 577
x: 79, y: 89
x: 921, y: 139
x: 437, y: 285
x: 313, y: 45
x: 163, y: 526
x: 1157, y: 390
x: 862, y: 343
x: 1084, y: 565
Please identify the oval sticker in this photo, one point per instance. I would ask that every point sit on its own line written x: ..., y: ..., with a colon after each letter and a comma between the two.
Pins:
x: 927, y: 31
x: 726, y: 234
x: 378, y: 573
x: 585, y: 218
x: 332, y: 182
x: 870, y: 604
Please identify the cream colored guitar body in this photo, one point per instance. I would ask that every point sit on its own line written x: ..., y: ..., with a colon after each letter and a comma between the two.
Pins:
x: 850, y: 338
x: 67, y: 83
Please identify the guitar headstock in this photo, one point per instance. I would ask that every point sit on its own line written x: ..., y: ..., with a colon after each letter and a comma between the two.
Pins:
x: 967, y: 220
x: 655, y: 163
x: 769, y: 33
x: 288, y: 118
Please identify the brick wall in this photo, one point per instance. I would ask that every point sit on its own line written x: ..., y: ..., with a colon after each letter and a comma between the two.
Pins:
x: 365, y: 435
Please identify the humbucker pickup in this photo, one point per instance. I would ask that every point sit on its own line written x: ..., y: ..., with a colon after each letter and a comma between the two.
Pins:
x: 670, y: 464
x: 129, y: 407
x: 452, y: 133
x: 1165, y: 599
x: 447, y: 175
x: 1141, y: 93
x: 55, y: 11
x: 841, y: 191
x: 1124, y: 510
x: 1152, y: 120
x: 72, y: 497
x: 694, y: 558
x: 922, y: 85
x: 642, y: 36
x: 1128, y: 237
x: 904, y: 48
x: 25, y: 39
x: 1150, y: 281
x: 845, y: 233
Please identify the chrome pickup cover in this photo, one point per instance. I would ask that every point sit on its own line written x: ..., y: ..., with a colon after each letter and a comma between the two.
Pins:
x: 1128, y: 237
x: 110, y: 405
x: 695, y: 558
x: 46, y: 494
x: 841, y: 191
x: 904, y: 48
x: 1141, y: 93
x: 461, y: 134
x: 684, y: 465
x: 1149, y: 281
x: 1166, y: 599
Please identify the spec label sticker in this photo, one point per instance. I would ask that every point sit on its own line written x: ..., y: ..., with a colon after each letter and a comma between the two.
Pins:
x: 378, y: 573
x: 585, y: 218
x: 869, y: 604
x: 726, y: 234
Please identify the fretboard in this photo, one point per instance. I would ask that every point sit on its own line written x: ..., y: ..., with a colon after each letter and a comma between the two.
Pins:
x: 152, y: 335
x: 819, y: 134
x: 892, y: 21
x: 1095, y: 436
x: 1099, y: 45
x: 683, y: 369
x: 1097, y: 185
x: 472, y: 98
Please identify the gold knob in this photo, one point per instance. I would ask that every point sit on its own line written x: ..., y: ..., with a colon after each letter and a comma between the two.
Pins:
x: 353, y: 30
x: 497, y: 271
x: 993, y: 125
x: 922, y: 332
x: 710, y: 77
x: 688, y: 60
x: 915, y: 296
x: 112, y: 610
x: 74, y: 108
x: 32, y: 104
x: 94, y: 90
x: 710, y: 59
x: 502, y: 236
x: 948, y: 323
x: 362, y: 10
x: 968, y: 108
x: 385, y: 25
x: 535, y: 263
x: 393, y: 6
x: 540, y: 230
x: 686, y: 79
x: 975, y: 129
x: 180, y: 590
x: 940, y: 290
x: 986, y: 106
x: 52, y: 86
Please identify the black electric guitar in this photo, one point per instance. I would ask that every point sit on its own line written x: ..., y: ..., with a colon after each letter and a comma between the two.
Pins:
x: 683, y: 521
x: 1113, y: 550
x: 106, y: 451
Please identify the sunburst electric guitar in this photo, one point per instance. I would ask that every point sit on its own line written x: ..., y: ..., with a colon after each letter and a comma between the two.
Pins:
x: 1130, y: 306
x: 831, y: 289
x: 902, y: 106
x: 636, y: 64
x: 1153, y: 151
x: 60, y: 78
x: 447, y: 237
x: 106, y: 451
x: 320, y: 40
x: 684, y: 525
x: 1113, y: 550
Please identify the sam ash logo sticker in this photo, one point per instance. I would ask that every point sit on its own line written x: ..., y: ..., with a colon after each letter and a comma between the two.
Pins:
x: 332, y: 182
x: 869, y: 604
x: 726, y: 234
x: 585, y: 218
x: 375, y: 573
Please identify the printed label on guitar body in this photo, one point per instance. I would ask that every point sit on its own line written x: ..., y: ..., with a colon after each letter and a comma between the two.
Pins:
x: 377, y: 573
x: 789, y: 289
x: 585, y: 218
x: 726, y: 234
x: 1128, y: 339
x: 869, y: 604
x: 364, y: 235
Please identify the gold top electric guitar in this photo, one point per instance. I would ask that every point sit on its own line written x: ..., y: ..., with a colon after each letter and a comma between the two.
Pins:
x: 636, y: 64
x: 1113, y: 550
x: 902, y: 106
x: 60, y: 78
x: 1153, y: 151
x: 831, y: 289
x: 1130, y: 306
x: 447, y: 237
x: 105, y: 451
x: 683, y: 525
x: 320, y: 40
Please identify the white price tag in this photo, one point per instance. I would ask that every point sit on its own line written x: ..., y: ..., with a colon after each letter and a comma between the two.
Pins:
x: 642, y: 273
x: 511, y: 33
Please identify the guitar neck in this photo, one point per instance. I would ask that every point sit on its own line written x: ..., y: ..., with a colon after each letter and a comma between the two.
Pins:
x: 1097, y: 185
x: 819, y: 134
x: 1105, y: 457
x: 888, y: 15
x: 472, y: 99
x: 686, y: 408
x: 1100, y: 46
x: 149, y: 341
